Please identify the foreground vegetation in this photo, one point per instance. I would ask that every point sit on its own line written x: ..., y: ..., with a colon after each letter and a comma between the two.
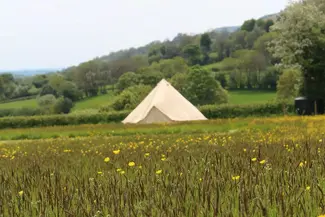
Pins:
x: 277, y: 171
x: 86, y: 130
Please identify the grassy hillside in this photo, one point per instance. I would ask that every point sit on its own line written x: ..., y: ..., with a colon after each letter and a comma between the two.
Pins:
x: 235, y: 97
x: 94, y: 102
x: 29, y: 103
x: 247, y: 97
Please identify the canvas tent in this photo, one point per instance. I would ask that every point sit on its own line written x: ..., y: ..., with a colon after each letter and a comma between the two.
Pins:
x: 164, y: 104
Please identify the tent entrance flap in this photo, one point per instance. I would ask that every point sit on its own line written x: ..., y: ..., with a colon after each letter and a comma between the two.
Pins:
x: 155, y: 116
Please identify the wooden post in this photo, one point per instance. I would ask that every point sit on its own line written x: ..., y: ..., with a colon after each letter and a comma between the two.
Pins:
x: 315, y: 107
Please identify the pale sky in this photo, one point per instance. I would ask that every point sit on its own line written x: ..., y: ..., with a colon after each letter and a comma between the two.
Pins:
x: 61, y: 33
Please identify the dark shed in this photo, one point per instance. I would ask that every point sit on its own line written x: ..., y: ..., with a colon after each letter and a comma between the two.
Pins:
x: 305, y: 106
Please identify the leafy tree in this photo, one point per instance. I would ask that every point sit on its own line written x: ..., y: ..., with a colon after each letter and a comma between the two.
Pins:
x: 150, y: 78
x: 20, y: 91
x: 33, y: 91
x: 268, y: 25
x: 129, y: 98
x: 222, y: 78
x: 170, y: 67
x: 220, y: 44
x: 213, y: 57
x: 62, y: 105
x: 270, y: 78
x: 248, y: 25
x: 128, y: 79
x: 262, y: 43
x: 289, y: 85
x: 203, y: 89
x: 71, y: 91
x: 171, y: 50
x: 260, y: 23
x: 179, y: 82
x: 48, y: 89
x: 301, y: 41
x: 40, y: 80
x: 205, y: 43
x: 238, y: 40
x: 46, y: 103
x: 193, y: 54
x: 252, y: 36
x: 8, y: 86
x: 2, y: 88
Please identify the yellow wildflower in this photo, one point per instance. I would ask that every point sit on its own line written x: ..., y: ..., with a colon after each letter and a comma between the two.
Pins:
x: 235, y: 178
x: 107, y: 159
x: 99, y: 172
x: 140, y: 167
x: 118, y: 170
x: 21, y: 193
x: 163, y: 159
x: 254, y: 159
x: 245, y: 150
x: 146, y: 154
x: 122, y: 172
x: 262, y: 162
x: 307, y: 188
x: 301, y: 164
x: 131, y: 164
x: 158, y: 172
x: 116, y: 151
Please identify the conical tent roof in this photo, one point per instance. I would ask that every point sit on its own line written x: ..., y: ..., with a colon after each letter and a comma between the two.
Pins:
x: 164, y: 104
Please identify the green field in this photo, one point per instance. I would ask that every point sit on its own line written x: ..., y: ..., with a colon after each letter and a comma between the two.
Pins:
x: 93, y: 102
x: 235, y: 97
x: 29, y: 103
x: 248, y: 97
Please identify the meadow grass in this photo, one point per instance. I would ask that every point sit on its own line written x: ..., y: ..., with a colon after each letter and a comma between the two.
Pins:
x: 255, y: 172
x: 250, y: 97
x: 94, y: 102
x: 210, y: 126
x: 29, y: 103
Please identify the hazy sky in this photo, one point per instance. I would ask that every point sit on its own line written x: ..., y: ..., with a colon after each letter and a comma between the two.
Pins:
x: 61, y: 33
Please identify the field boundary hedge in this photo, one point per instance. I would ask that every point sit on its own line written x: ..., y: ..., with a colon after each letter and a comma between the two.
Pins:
x: 18, y: 99
x: 210, y: 111
x: 233, y: 111
x: 5, y: 112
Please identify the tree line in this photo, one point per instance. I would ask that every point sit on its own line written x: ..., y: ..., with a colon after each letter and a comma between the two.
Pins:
x: 261, y: 54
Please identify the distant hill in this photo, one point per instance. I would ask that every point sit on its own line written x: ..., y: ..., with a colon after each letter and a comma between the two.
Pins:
x: 227, y: 29
x: 29, y: 72
x: 235, y: 28
x: 270, y: 17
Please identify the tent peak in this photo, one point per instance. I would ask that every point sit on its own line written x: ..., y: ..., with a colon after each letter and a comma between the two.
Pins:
x: 163, y: 81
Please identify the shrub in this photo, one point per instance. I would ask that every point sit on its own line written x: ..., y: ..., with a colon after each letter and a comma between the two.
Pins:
x: 126, y: 80
x: 53, y: 120
x: 131, y: 97
x: 62, y: 105
x: 232, y: 111
x: 203, y: 89
x: 20, y: 112
x: 46, y: 103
